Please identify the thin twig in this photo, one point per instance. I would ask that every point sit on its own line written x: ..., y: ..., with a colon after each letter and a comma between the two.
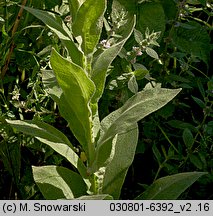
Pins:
x: 15, y: 27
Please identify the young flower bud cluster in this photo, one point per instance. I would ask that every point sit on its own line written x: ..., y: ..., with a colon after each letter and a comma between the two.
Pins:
x: 136, y: 51
x: 144, y: 44
x: 151, y: 39
x: 118, y: 18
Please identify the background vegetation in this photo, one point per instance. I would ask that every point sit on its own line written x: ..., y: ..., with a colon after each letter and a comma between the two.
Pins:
x: 177, y: 138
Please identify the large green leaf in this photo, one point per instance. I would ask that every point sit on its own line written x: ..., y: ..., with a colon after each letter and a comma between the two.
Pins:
x: 170, y: 187
x: 58, y: 182
x: 55, y: 23
x: 74, y: 6
x: 77, y: 92
x: 116, y: 170
x: 104, y: 59
x: 51, y: 137
x: 136, y: 108
x: 88, y: 24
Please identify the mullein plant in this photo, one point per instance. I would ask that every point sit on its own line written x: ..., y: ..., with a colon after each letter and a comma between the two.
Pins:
x: 76, y: 83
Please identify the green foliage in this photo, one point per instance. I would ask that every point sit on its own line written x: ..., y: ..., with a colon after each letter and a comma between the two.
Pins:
x: 58, y: 182
x: 57, y: 25
x: 122, y: 120
x: 117, y: 169
x: 88, y: 24
x: 193, y: 39
x: 103, y: 63
x: 170, y: 187
x: 53, y: 138
x: 104, y: 59
x: 151, y: 15
x: 74, y: 104
x: 77, y: 90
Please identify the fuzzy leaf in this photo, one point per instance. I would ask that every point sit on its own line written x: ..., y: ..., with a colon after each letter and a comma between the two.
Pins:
x: 124, y: 119
x: 96, y: 197
x: 88, y: 24
x: 58, y: 182
x: 51, y: 85
x: 136, y: 108
x: 116, y: 170
x: 138, y: 36
x: 105, y: 58
x: 140, y: 71
x: 151, y: 53
x: 170, y: 187
x: 52, y: 137
x: 74, y: 6
x: 133, y: 85
x: 77, y: 92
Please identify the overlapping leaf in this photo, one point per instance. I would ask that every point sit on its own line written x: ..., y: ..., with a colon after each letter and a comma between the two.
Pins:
x: 104, y: 59
x: 56, y: 24
x: 58, y: 182
x: 52, y: 137
x: 88, y: 23
x: 77, y: 92
x: 51, y: 85
x: 124, y: 119
x: 74, y: 6
x: 136, y: 108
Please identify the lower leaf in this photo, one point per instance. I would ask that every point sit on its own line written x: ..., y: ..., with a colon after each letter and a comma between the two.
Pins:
x: 170, y: 187
x: 96, y: 197
x: 52, y: 137
x: 58, y: 182
x: 116, y: 171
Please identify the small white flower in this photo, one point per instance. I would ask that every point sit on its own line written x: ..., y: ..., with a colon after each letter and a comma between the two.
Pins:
x: 105, y: 44
x: 137, y: 50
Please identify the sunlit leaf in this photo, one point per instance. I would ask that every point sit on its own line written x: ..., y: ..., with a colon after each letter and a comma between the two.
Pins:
x: 116, y: 170
x: 136, y: 108
x: 51, y: 137
x: 170, y: 187
x: 58, y: 182
x: 133, y: 85
x: 88, y: 24
x: 105, y: 58
x: 152, y: 53
x: 77, y: 92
